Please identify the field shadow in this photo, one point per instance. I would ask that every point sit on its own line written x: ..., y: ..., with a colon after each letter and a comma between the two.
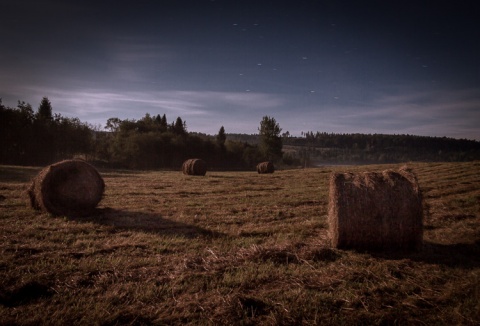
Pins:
x: 145, y: 222
x: 463, y: 255
x: 17, y: 174
x: 458, y: 255
x: 25, y: 293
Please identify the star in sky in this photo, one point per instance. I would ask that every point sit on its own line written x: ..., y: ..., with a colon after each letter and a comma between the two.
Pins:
x: 313, y: 65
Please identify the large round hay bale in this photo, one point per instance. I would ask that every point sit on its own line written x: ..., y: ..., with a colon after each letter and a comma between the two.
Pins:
x: 194, y: 166
x: 71, y: 187
x: 265, y: 167
x: 375, y: 211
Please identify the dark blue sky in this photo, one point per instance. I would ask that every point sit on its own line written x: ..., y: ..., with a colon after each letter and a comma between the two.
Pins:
x: 403, y: 67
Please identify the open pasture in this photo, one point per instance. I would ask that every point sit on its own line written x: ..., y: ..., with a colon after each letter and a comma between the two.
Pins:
x: 234, y: 248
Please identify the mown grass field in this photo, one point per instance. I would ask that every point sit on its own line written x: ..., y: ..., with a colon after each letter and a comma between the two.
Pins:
x: 234, y: 248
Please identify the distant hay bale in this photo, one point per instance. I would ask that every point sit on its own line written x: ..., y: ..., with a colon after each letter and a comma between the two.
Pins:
x: 376, y: 211
x: 265, y: 167
x: 194, y: 166
x: 70, y: 187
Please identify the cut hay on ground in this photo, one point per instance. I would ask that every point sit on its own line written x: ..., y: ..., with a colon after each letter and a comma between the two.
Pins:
x: 265, y: 167
x: 194, y: 166
x: 375, y: 211
x: 71, y: 187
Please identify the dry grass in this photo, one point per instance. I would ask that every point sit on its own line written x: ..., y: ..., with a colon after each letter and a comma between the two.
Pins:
x: 234, y: 248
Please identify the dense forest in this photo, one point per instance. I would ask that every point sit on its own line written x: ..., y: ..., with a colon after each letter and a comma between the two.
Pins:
x: 328, y: 148
x: 321, y: 148
x: 39, y: 137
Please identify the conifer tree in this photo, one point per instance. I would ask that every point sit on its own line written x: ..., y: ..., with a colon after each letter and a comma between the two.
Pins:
x: 45, y: 110
x: 221, y: 137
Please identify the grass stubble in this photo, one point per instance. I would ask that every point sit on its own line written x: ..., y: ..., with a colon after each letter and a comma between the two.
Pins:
x: 234, y: 248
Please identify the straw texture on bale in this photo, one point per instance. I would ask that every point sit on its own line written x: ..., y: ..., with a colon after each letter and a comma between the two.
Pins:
x: 194, y: 166
x: 70, y: 187
x: 376, y: 211
x: 265, y: 167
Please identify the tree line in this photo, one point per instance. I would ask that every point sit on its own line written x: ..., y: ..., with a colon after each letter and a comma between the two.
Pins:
x: 40, y: 137
x: 36, y: 138
x: 327, y: 148
x: 151, y: 143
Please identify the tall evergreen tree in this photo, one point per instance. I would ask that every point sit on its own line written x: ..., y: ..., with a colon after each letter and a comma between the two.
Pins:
x: 45, y: 110
x: 221, y: 137
x: 179, y: 127
x: 163, y: 123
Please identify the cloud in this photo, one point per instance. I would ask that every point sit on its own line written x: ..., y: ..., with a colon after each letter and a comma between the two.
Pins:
x: 206, y: 109
x: 414, y: 109
x: 452, y: 113
x: 136, y: 59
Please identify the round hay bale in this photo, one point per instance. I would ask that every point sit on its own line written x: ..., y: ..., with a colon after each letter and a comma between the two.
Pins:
x: 265, y: 167
x: 71, y: 187
x: 376, y: 211
x: 194, y: 166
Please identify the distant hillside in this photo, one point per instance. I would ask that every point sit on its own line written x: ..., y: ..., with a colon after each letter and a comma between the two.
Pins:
x: 252, y: 139
x: 329, y: 148
x: 319, y: 148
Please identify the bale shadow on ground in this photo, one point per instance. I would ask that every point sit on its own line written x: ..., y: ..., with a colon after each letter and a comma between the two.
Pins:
x: 17, y: 174
x: 145, y: 222
x: 457, y: 255
x: 26, y: 293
